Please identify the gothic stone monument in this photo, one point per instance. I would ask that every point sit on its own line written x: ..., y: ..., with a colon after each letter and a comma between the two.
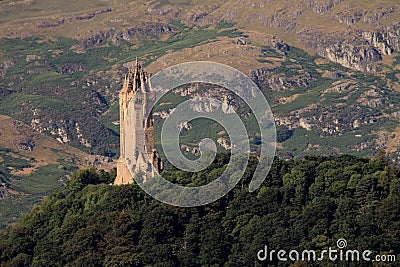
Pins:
x: 136, y: 128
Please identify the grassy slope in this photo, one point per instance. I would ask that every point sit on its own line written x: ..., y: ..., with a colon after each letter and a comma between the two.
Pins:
x: 20, y: 18
x: 32, y: 174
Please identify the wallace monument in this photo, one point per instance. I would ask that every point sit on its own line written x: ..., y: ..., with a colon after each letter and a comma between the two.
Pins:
x: 136, y: 128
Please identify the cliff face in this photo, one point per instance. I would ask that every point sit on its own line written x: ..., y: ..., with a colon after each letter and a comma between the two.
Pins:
x: 358, y: 50
x: 352, y: 56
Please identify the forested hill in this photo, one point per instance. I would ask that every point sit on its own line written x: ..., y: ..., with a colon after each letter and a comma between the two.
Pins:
x: 304, y: 204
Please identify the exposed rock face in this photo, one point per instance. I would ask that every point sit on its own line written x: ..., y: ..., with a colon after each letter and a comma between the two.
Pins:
x: 340, y: 86
x: 355, y: 49
x: 354, y: 57
x: 284, y: 18
x: 209, y: 106
x: 340, y: 118
x: 366, y: 48
x: 390, y: 35
x: 47, y: 24
x: 6, y: 65
x: 100, y: 161
x: 265, y: 79
x: 352, y: 16
x: 66, y: 127
x: 377, y: 40
x: 81, y: 138
x: 27, y: 145
x: 70, y: 68
x: 350, y: 50
x: 348, y: 17
x: 196, y: 91
x: 143, y: 29
x: 372, y: 99
x: 32, y: 57
x: 147, y: 29
x: 373, y: 16
x: 322, y: 6
x: 328, y: 121
x: 97, y: 39
x: 225, y: 143
x: 200, y: 15
x: 289, y: 82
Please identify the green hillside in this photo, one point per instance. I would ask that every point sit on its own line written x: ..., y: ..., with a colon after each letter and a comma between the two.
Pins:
x: 76, y: 94
x: 330, y: 70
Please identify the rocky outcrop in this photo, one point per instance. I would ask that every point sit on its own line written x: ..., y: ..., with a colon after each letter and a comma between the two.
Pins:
x: 82, y: 140
x: 260, y: 76
x: 289, y: 82
x: 30, y: 58
x: 377, y: 40
x: 388, y: 36
x: 321, y: 6
x: 94, y: 103
x: 97, y: 39
x: 26, y: 145
x: 6, y: 65
x: 373, y: 16
x: 340, y: 86
x: 197, y: 91
x: 75, y: 125
x: 349, y: 17
x: 351, y: 56
x: 5, y: 190
x: 284, y: 18
x: 358, y: 50
x: 273, y: 41
x: 332, y: 120
x: 70, y: 68
x: 145, y: 29
x: 224, y: 142
x: 100, y: 162
x: 350, y: 49
x: 201, y: 15
x: 47, y: 24
x: 204, y: 105
x: 372, y: 99
x: 264, y: 79
x: 329, y: 120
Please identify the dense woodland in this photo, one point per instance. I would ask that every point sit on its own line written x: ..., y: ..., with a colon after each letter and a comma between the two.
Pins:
x: 304, y: 204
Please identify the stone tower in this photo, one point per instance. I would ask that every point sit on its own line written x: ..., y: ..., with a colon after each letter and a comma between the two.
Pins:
x: 138, y: 128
